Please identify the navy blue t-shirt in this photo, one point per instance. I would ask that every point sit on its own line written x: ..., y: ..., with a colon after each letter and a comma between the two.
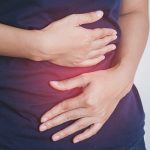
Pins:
x: 25, y: 94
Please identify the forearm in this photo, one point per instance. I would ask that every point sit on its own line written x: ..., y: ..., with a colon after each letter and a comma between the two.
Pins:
x: 15, y: 42
x: 134, y: 26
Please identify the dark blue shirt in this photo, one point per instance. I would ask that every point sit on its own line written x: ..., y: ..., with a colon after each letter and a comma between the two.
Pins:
x: 25, y: 94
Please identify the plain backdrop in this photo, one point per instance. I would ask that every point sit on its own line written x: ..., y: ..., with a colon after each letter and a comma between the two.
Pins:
x: 142, y: 81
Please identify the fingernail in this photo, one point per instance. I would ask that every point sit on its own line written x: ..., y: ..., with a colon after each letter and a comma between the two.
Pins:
x: 44, y: 120
x: 113, y: 46
x: 56, y: 137
x: 54, y: 82
x: 42, y: 128
x: 76, y: 141
x: 99, y: 13
x: 114, y: 32
x: 114, y: 37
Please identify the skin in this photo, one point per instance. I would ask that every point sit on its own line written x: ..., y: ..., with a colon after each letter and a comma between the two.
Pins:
x: 88, y: 50
x: 93, y: 107
x: 90, y: 45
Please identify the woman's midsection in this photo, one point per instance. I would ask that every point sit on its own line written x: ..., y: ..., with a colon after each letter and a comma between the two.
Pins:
x: 25, y: 82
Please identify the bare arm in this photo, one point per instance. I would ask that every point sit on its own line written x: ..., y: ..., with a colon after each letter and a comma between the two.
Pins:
x: 16, y: 42
x: 134, y: 23
x: 42, y: 45
x: 103, y: 89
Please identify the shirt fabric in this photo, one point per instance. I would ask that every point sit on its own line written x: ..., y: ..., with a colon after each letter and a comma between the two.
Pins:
x: 25, y: 94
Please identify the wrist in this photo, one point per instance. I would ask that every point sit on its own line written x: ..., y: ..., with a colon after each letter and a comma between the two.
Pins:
x: 126, y: 68
x: 125, y: 64
x: 41, y: 49
x: 36, y: 46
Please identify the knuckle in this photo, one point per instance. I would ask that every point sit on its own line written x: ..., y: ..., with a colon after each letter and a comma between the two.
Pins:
x: 80, y: 126
x: 63, y: 133
x: 63, y: 106
x: 103, y: 32
x: 88, y: 45
x: 94, y: 34
x: 67, y: 117
x: 75, y: 62
x: 105, y: 41
x: 87, y: 40
x: 111, y: 38
x: 85, y: 97
x: 74, y: 116
x: 78, y: 58
x: 99, y: 32
x: 84, y: 79
x: 106, y: 31
x: 90, y: 104
x: 48, y: 124
x: 85, y: 44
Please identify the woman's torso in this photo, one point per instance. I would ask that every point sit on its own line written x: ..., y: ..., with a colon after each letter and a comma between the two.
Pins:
x: 24, y: 91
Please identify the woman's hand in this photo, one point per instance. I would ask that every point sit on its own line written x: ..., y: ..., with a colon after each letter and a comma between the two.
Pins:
x: 102, y: 92
x: 65, y: 42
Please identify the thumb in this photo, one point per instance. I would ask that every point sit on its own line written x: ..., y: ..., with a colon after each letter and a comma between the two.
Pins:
x: 88, y: 17
x: 71, y: 83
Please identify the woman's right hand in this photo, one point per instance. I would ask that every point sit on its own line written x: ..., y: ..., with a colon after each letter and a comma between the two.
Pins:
x: 66, y: 43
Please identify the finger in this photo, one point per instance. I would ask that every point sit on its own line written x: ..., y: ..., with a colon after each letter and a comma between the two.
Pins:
x: 85, y: 18
x: 65, y: 117
x: 99, y: 33
x: 77, y: 81
x: 91, y: 62
x: 63, y: 106
x: 88, y: 133
x: 102, y: 51
x: 100, y: 43
x: 76, y: 126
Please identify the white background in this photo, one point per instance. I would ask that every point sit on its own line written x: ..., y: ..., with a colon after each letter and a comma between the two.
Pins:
x: 142, y: 81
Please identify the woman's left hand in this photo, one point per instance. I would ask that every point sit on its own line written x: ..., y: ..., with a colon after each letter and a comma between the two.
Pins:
x: 103, y: 89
